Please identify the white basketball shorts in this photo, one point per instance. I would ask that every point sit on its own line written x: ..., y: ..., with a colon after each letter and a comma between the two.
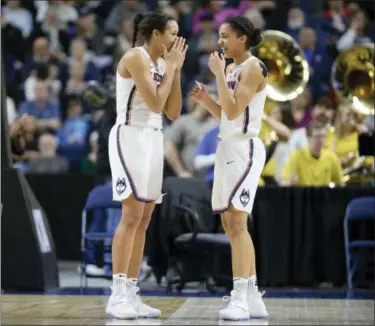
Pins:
x: 136, y: 156
x: 238, y: 166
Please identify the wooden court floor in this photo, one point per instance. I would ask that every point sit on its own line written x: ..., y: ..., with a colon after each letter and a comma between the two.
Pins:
x: 89, y: 310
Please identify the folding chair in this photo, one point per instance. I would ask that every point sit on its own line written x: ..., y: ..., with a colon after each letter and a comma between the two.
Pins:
x: 361, y: 210
x: 99, y: 198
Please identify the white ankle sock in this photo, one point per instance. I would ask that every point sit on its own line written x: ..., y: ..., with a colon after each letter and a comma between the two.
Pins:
x: 119, y: 282
x: 240, y: 284
x: 253, y: 282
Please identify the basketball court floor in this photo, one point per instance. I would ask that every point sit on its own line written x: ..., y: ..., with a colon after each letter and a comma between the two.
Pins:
x: 69, y: 305
x: 89, y: 310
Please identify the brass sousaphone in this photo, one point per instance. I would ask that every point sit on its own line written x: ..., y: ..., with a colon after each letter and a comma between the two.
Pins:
x: 352, y: 77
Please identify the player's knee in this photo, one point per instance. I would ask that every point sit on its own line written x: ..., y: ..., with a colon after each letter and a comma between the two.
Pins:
x: 145, y: 222
x: 235, y: 224
x: 132, y: 220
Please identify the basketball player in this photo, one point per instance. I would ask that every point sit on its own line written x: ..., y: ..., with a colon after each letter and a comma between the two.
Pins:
x: 146, y: 86
x: 240, y: 155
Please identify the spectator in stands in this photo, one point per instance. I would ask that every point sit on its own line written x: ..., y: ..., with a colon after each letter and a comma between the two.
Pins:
x: 124, y: 38
x: 313, y: 165
x: 45, y: 72
x: 76, y: 84
x: 89, y: 163
x: 75, y: 128
x: 356, y: 33
x: 299, y: 114
x: 201, y: 45
x: 296, y: 20
x: 48, y: 161
x: 335, y: 18
x: 80, y: 54
x: 275, y: 136
x: 14, y: 14
x: 88, y: 30
x: 182, y: 10
x: 347, y: 129
x: 182, y: 139
x: 324, y: 112
x: 318, y: 59
x: 206, y: 153
x: 43, y: 109
x: 123, y: 10
x: 256, y: 18
x: 220, y: 13
x: 24, y: 137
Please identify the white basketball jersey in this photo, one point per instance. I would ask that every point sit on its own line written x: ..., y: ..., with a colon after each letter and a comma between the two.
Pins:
x: 131, y: 108
x: 250, y: 120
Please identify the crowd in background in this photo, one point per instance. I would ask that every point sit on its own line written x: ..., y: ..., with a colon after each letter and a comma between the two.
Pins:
x: 52, y: 49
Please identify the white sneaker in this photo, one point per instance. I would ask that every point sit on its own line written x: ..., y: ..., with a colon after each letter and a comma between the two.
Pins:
x: 257, y: 308
x: 92, y: 270
x: 120, y: 307
x: 143, y: 310
x: 237, y: 309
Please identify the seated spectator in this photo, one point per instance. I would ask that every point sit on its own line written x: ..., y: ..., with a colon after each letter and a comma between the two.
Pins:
x: 75, y: 128
x: 89, y: 162
x: 296, y: 20
x: 275, y: 136
x: 219, y: 12
x: 256, y: 18
x: 123, y: 10
x: 334, y: 20
x: 206, y: 153
x: 24, y: 140
x: 313, y: 165
x: 76, y: 84
x: 79, y: 53
x: 124, y: 39
x: 299, y: 114
x: 89, y: 31
x: 182, y: 139
x: 318, y: 60
x: 41, y: 54
x: 43, y: 109
x: 45, y: 72
x: 14, y: 14
x: 48, y: 161
x: 345, y: 139
x: 324, y: 112
x: 356, y: 33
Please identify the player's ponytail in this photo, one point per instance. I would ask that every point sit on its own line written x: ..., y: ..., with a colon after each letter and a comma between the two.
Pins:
x: 137, y: 20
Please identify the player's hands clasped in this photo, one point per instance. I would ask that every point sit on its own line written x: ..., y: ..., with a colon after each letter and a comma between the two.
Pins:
x: 176, y: 55
x: 216, y: 63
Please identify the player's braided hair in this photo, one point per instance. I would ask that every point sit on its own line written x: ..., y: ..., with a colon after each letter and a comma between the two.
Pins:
x: 244, y: 26
x: 146, y: 24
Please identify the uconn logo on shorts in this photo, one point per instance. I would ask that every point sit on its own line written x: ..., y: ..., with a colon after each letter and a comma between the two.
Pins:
x: 120, y: 185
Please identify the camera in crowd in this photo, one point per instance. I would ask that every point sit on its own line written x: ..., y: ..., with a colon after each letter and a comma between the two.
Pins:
x: 101, y: 96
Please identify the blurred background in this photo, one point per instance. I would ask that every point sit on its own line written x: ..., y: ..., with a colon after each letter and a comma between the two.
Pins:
x: 59, y: 61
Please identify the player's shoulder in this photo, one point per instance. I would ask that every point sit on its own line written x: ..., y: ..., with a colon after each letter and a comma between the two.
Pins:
x: 256, y: 66
x: 133, y: 56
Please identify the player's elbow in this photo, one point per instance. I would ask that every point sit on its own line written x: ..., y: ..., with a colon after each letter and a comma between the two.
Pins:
x: 172, y: 115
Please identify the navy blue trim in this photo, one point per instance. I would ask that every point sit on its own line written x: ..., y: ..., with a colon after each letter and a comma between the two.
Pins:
x: 128, y: 106
x: 278, y: 293
x: 246, y: 118
x: 239, y: 183
x: 127, y: 172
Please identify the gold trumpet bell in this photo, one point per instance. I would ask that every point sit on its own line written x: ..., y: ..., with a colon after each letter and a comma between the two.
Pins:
x: 352, y: 78
x: 288, y: 69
